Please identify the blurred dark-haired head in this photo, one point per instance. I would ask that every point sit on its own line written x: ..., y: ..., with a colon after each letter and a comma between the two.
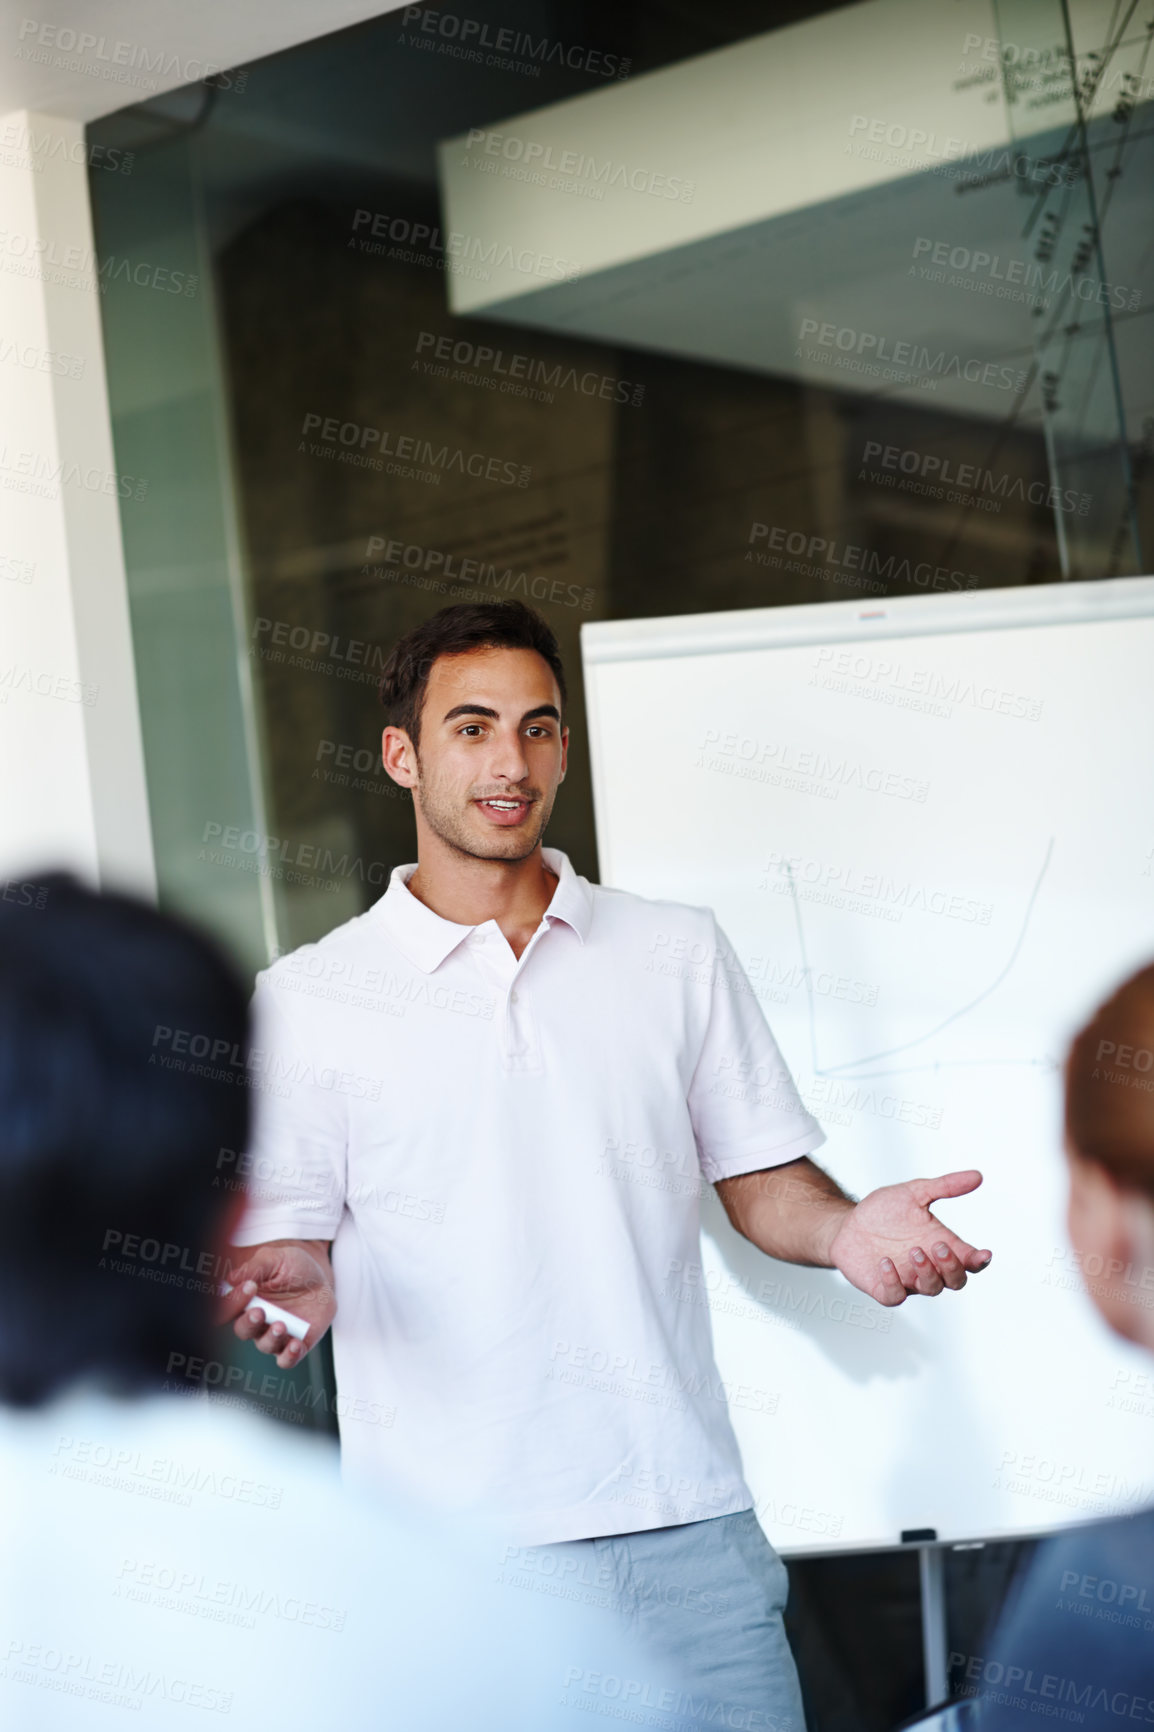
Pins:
x: 123, y: 1079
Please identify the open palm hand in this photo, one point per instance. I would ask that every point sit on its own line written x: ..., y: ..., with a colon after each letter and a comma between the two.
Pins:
x: 890, y: 1245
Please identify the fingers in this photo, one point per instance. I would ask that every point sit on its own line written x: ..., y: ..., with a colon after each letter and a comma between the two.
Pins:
x: 919, y: 1276
x: 928, y: 1191
x: 271, y: 1338
x: 968, y: 1256
x: 922, y: 1275
x: 889, y: 1288
x: 930, y: 1274
x: 291, y: 1351
x: 948, y: 1265
x: 230, y: 1305
x: 251, y: 1324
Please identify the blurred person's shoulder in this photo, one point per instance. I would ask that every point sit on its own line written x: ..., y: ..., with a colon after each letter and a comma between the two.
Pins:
x: 192, y: 1464
x: 1099, y: 1577
x: 1077, y: 1630
x: 190, y: 1552
x: 1105, y: 1563
x: 158, y: 1543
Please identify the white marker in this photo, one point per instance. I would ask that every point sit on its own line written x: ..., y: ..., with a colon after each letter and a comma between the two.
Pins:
x: 296, y: 1326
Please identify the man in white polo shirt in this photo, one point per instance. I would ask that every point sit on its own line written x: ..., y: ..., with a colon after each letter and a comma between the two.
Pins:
x: 465, y: 1093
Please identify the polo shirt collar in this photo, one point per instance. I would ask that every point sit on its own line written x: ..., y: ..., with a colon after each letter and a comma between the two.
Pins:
x: 427, y: 938
x: 573, y: 899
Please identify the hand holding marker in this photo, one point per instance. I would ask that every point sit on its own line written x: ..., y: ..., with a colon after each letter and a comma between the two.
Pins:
x: 296, y: 1326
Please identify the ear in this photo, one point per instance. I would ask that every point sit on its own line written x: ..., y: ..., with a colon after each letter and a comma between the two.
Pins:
x: 1138, y: 1216
x: 398, y: 757
x: 1136, y: 1254
x: 1112, y: 1231
x: 1094, y: 1211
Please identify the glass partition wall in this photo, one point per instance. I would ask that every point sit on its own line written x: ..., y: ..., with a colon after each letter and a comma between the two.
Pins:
x: 936, y: 379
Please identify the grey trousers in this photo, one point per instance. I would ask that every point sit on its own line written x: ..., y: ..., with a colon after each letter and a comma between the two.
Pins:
x: 705, y: 1599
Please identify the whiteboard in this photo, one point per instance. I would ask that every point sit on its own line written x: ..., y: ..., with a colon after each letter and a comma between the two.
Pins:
x: 927, y: 826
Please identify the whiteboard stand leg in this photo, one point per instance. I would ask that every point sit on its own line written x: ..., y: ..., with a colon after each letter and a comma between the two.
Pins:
x: 932, y: 1571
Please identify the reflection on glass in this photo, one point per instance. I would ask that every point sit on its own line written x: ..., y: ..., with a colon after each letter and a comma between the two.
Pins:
x: 1072, y: 107
x: 849, y: 308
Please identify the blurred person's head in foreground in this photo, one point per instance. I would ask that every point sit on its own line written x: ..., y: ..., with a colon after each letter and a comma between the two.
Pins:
x: 1110, y: 1151
x: 123, y: 1078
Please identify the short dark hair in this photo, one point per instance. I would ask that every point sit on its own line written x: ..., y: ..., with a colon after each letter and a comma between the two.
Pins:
x: 101, y: 1143
x: 454, y: 630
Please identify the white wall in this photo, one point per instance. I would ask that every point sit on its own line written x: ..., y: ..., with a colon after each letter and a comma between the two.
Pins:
x: 72, y: 789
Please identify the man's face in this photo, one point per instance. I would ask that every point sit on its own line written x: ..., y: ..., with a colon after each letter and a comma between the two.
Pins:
x: 490, y: 731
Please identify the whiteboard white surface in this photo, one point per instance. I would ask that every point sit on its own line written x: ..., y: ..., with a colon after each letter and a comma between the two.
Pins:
x: 926, y: 824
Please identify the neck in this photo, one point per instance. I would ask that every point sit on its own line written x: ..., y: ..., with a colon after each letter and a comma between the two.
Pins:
x: 469, y: 891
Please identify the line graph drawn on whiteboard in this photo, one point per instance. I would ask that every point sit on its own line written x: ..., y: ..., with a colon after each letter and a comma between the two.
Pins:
x: 851, y: 1068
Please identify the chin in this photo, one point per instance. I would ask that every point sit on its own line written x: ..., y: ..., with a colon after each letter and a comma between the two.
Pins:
x: 519, y: 848
x: 501, y: 848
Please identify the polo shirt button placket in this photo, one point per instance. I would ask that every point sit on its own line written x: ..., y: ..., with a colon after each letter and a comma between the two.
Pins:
x: 515, y: 1044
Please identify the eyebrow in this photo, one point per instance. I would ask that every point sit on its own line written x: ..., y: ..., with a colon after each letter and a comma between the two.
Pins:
x: 481, y: 710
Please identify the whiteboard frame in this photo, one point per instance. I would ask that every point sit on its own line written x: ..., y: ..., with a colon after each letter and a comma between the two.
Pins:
x: 668, y: 636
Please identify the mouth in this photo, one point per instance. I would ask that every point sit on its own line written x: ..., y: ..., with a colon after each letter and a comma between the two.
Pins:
x: 505, y: 811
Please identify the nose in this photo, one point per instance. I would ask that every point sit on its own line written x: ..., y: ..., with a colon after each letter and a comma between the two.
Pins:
x: 507, y: 760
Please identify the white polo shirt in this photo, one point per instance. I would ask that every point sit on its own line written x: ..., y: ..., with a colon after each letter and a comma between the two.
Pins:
x: 508, y: 1156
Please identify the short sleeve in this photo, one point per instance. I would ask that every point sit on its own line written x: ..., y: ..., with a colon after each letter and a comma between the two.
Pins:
x: 297, y: 1158
x: 743, y: 1102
